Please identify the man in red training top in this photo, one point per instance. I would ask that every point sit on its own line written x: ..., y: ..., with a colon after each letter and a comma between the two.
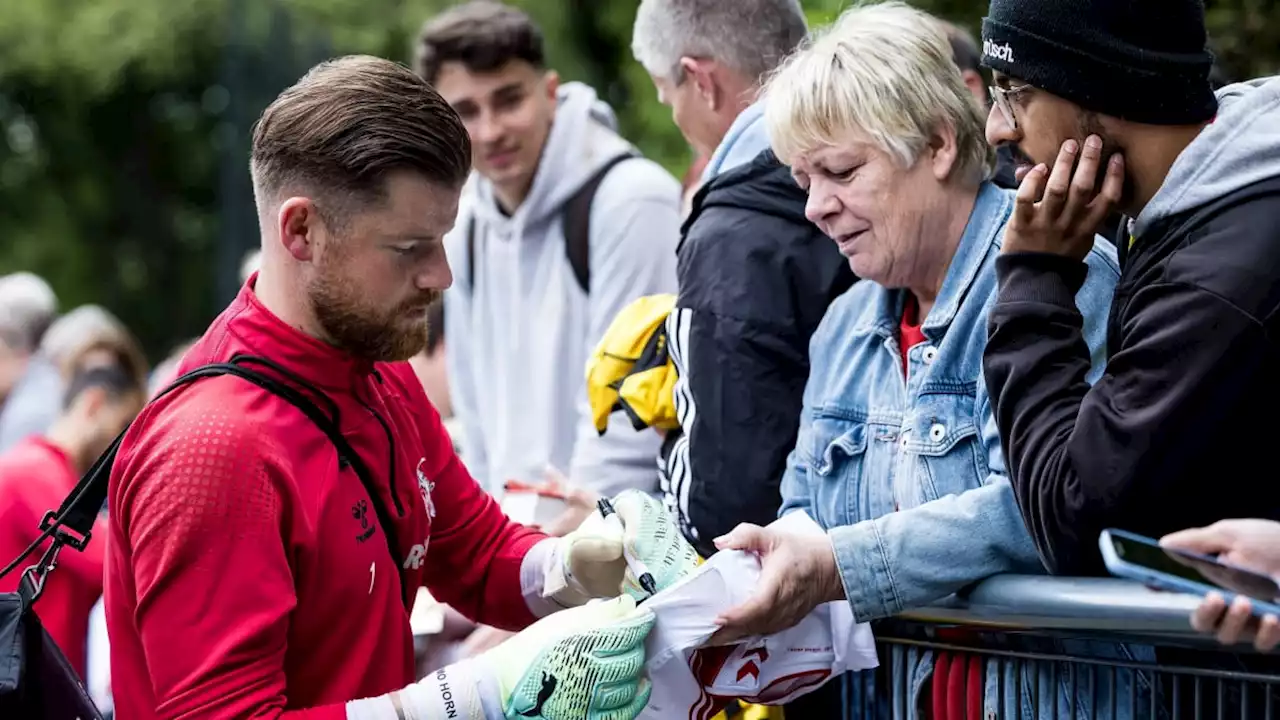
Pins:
x: 250, y: 572
x: 38, y: 472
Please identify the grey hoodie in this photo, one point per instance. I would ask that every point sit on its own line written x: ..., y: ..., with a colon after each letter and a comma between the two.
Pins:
x: 1240, y: 147
x: 518, y: 341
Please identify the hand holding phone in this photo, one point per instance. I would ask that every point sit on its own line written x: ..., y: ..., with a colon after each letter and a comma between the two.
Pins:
x: 1250, y: 544
x: 1228, y: 623
x: 1235, y: 598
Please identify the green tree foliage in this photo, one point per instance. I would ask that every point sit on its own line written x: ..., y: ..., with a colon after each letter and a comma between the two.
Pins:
x: 124, y: 124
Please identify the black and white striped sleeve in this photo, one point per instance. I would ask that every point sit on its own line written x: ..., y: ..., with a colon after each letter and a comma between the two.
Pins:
x: 738, y: 401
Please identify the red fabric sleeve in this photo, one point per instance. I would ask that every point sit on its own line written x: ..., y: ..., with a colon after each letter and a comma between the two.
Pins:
x: 474, y: 558
x: 203, y: 516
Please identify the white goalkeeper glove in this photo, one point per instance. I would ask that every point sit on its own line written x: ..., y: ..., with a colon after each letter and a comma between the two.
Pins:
x: 584, y: 663
x: 590, y: 561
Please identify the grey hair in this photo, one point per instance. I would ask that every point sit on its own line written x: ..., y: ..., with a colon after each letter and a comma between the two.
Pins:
x: 69, y: 333
x: 749, y: 36
x: 27, y: 306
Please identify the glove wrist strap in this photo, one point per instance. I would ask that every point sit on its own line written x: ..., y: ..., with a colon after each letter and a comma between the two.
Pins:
x: 558, y: 582
x: 464, y: 690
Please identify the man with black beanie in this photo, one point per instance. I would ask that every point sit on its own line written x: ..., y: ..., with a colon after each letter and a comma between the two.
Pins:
x: 1113, y: 102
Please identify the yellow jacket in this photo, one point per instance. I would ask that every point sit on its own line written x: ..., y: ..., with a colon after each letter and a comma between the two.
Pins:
x: 630, y: 369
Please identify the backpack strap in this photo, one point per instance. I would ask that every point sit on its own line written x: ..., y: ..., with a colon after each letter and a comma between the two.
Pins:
x: 577, y: 222
x: 471, y: 252
x: 577, y: 227
x: 72, y: 523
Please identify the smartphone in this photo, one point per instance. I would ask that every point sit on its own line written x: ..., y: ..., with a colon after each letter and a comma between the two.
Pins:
x: 1142, y: 559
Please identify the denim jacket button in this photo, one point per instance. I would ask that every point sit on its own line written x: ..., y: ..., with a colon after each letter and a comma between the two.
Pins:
x: 937, y: 432
x: 930, y: 354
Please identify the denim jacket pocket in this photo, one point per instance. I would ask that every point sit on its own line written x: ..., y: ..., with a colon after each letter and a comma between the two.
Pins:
x: 838, y: 449
x: 947, y: 442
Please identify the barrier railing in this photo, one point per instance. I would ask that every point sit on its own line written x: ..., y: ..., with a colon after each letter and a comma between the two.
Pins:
x: 1050, y: 647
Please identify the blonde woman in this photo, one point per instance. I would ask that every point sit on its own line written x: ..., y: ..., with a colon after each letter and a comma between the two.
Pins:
x: 898, y: 456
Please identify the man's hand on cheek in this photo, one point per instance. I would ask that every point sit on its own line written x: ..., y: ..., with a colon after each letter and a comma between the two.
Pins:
x: 1058, y: 211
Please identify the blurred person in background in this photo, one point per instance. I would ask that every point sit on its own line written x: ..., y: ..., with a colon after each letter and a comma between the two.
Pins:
x: 430, y: 367
x: 561, y: 226
x: 39, y: 472
x: 755, y: 275
x: 691, y: 181
x: 250, y: 264
x: 286, y: 562
x: 27, y: 307
x: 964, y: 50
x: 87, y: 337
x: 167, y: 371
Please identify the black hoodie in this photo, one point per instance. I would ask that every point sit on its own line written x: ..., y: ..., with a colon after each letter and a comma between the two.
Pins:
x: 755, y: 278
x: 1177, y: 432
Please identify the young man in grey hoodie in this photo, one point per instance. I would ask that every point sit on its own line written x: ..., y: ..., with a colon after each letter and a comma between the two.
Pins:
x: 561, y: 226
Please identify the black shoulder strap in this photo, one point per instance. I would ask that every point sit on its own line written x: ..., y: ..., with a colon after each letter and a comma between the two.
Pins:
x: 80, y: 509
x: 577, y: 223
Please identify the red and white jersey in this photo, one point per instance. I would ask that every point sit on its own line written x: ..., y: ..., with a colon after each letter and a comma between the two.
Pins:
x: 694, y: 683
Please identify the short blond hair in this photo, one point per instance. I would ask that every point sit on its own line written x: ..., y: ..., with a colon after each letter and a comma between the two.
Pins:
x: 884, y: 71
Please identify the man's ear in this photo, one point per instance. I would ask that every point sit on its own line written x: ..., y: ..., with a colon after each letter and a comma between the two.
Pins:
x: 552, y: 79
x: 299, y: 227
x: 701, y: 73
x: 943, y: 151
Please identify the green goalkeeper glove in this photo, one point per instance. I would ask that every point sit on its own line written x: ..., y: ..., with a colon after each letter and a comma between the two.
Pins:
x: 584, y: 663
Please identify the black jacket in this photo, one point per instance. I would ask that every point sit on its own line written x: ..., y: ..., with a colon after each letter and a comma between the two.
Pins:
x: 755, y: 278
x: 1178, y: 432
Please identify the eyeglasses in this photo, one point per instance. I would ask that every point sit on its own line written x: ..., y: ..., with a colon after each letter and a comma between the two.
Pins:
x: 1001, y: 97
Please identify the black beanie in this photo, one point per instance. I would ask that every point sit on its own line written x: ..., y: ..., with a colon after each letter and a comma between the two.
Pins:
x: 1140, y: 60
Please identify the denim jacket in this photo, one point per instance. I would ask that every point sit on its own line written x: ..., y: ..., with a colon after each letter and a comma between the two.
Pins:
x: 907, y: 474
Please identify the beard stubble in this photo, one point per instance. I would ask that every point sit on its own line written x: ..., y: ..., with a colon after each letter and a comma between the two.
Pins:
x: 366, y: 332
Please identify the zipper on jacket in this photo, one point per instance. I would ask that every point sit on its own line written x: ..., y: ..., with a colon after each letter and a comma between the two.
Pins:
x: 391, y: 449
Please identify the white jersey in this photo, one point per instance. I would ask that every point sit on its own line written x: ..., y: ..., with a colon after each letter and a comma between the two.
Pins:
x: 689, y: 682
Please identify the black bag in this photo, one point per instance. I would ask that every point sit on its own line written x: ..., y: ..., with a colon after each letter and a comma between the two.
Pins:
x: 36, y: 681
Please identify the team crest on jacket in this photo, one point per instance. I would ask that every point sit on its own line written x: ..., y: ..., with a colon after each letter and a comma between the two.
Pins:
x: 425, y: 486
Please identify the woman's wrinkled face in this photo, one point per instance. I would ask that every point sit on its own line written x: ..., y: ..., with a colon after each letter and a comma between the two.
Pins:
x: 874, y: 208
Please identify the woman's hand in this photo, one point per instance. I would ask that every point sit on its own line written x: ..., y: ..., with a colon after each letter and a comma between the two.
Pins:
x: 798, y: 573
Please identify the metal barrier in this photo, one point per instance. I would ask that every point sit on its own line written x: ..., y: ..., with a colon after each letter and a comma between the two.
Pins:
x: 1048, y: 647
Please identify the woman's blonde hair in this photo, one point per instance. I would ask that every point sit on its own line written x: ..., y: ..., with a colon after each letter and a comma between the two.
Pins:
x: 883, y: 71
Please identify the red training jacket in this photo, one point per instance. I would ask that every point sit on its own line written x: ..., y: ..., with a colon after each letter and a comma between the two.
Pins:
x: 247, y: 575
x: 36, y: 476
